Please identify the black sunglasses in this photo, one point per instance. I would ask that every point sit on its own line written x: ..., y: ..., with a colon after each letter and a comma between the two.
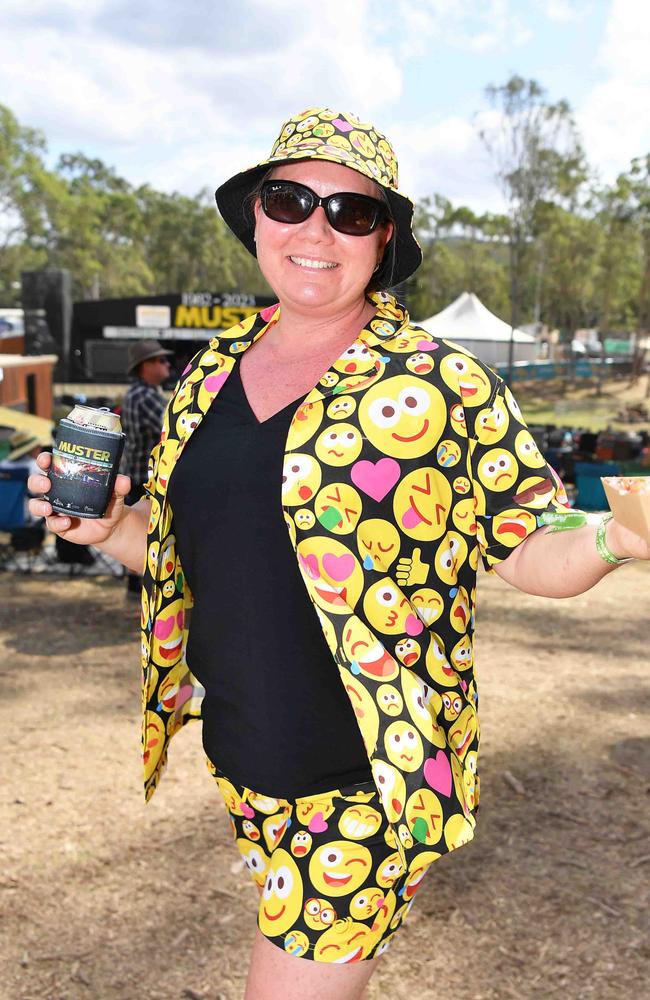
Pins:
x: 347, y: 212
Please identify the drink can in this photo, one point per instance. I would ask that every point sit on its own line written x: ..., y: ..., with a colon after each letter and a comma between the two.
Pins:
x: 85, y: 461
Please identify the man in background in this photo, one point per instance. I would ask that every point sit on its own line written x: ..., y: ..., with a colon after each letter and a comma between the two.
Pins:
x: 142, y: 416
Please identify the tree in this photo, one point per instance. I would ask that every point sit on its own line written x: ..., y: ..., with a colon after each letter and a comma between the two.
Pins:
x: 538, y: 157
x: 23, y: 177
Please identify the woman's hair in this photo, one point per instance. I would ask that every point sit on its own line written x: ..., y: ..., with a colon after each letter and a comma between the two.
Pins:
x: 382, y: 278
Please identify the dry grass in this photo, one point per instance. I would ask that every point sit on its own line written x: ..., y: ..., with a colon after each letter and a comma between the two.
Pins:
x: 106, y: 899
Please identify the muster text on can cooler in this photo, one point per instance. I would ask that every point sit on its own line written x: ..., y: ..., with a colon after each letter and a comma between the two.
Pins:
x: 85, y: 461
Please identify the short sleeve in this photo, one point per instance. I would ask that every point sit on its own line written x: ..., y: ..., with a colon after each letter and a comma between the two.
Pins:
x: 512, y: 482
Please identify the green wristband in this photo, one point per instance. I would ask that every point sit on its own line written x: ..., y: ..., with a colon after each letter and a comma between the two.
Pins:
x: 601, y: 544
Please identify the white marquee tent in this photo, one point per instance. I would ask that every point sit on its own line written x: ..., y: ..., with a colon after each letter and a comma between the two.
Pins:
x: 467, y: 322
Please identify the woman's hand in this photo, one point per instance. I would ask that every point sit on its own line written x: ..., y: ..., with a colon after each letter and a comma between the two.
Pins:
x: 625, y: 543
x: 81, y: 530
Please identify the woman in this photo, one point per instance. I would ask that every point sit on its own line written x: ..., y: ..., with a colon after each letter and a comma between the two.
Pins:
x: 392, y: 460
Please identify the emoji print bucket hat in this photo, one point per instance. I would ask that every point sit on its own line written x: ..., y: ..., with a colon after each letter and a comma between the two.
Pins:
x: 321, y: 134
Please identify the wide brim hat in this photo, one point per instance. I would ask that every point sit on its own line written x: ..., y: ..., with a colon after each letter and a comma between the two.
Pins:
x: 335, y: 137
x: 144, y: 350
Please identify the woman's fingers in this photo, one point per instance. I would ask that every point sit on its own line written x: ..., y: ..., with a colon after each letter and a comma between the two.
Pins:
x: 44, y: 459
x: 38, y: 484
x: 122, y: 485
x: 58, y: 523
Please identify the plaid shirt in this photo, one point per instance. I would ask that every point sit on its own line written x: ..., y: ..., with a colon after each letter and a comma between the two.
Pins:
x: 142, y: 416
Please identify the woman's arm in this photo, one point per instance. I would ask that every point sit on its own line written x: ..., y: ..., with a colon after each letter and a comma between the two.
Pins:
x: 565, y: 563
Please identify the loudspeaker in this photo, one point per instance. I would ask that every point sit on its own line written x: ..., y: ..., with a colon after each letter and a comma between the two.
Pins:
x: 47, y: 304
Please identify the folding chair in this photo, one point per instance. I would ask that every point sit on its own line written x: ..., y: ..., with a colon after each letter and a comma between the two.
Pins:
x: 21, y: 540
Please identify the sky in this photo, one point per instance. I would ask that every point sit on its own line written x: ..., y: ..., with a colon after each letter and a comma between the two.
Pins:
x: 181, y: 95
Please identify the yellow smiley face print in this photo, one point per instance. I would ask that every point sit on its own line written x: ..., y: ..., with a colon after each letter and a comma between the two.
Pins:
x: 417, y: 870
x: 281, y: 901
x: 492, y: 423
x: 301, y: 844
x: 301, y: 479
x: 152, y: 741
x: 511, y: 526
x: 332, y: 574
x: 378, y: 543
x: 338, y: 508
x: 466, y: 375
x: 461, y: 655
x: 304, y: 424
x: 388, y: 610
x: 339, y: 445
x: 428, y: 605
x: 424, y: 816
x: 296, y: 943
x: 457, y: 418
x: 366, y: 903
x: 408, y: 651
x: 448, y: 453
x: 391, y: 787
x: 453, y: 704
x: 355, y: 360
x: 420, y: 363
x: 527, y: 450
x: 463, y: 731
x: 304, y: 519
x: 359, y: 822
x: 423, y: 704
x: 362, y: 142
x: 340, y: 867
x: 167, y: 642
x: 318, y: 913
x: 366, y: 653
x: 365, y: 709
x: 459, y: 613
x: 463, y: 515
x: 341, y: 408
x: 255, y: 859
x: 437, y: 664
x: 403, y: 746
x: 458, y: 831
x: 403, y: 416
x: 389, y: 871
x: 535, y: 492
x: 451, y: 554
x: 389, y: 699
x: 421, y: 504
x: 498, y: 470
x: 345, y: 941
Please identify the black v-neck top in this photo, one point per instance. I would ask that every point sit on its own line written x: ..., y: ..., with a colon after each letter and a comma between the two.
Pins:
x: 275, y: 716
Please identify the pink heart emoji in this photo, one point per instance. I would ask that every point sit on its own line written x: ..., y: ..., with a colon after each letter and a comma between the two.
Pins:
x: 342, y: 125
x: 427, y: 345
x: 338, y: 567
x: 413, y: 625
x: 214, y: 382
x: 376, y: 479
x: 266, y: 313
x: 437, y: 773
x: 317, y: 823
x: 247, y: 811
x: 310, y: 565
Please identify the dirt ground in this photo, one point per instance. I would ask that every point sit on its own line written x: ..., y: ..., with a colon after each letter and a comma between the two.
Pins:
x: 104, y: 898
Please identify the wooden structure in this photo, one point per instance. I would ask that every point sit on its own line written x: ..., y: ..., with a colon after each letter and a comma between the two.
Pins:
x: 26, y: 383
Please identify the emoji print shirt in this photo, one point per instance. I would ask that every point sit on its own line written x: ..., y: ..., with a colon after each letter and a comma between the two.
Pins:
x: 405, y: 464
x: 273, y: 695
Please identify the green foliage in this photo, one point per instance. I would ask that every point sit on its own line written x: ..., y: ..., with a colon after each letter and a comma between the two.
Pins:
x: 116, y: 240
x: 569, y: 252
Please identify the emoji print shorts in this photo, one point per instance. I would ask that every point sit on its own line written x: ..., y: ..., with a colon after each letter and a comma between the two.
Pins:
x: 333, y: 887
